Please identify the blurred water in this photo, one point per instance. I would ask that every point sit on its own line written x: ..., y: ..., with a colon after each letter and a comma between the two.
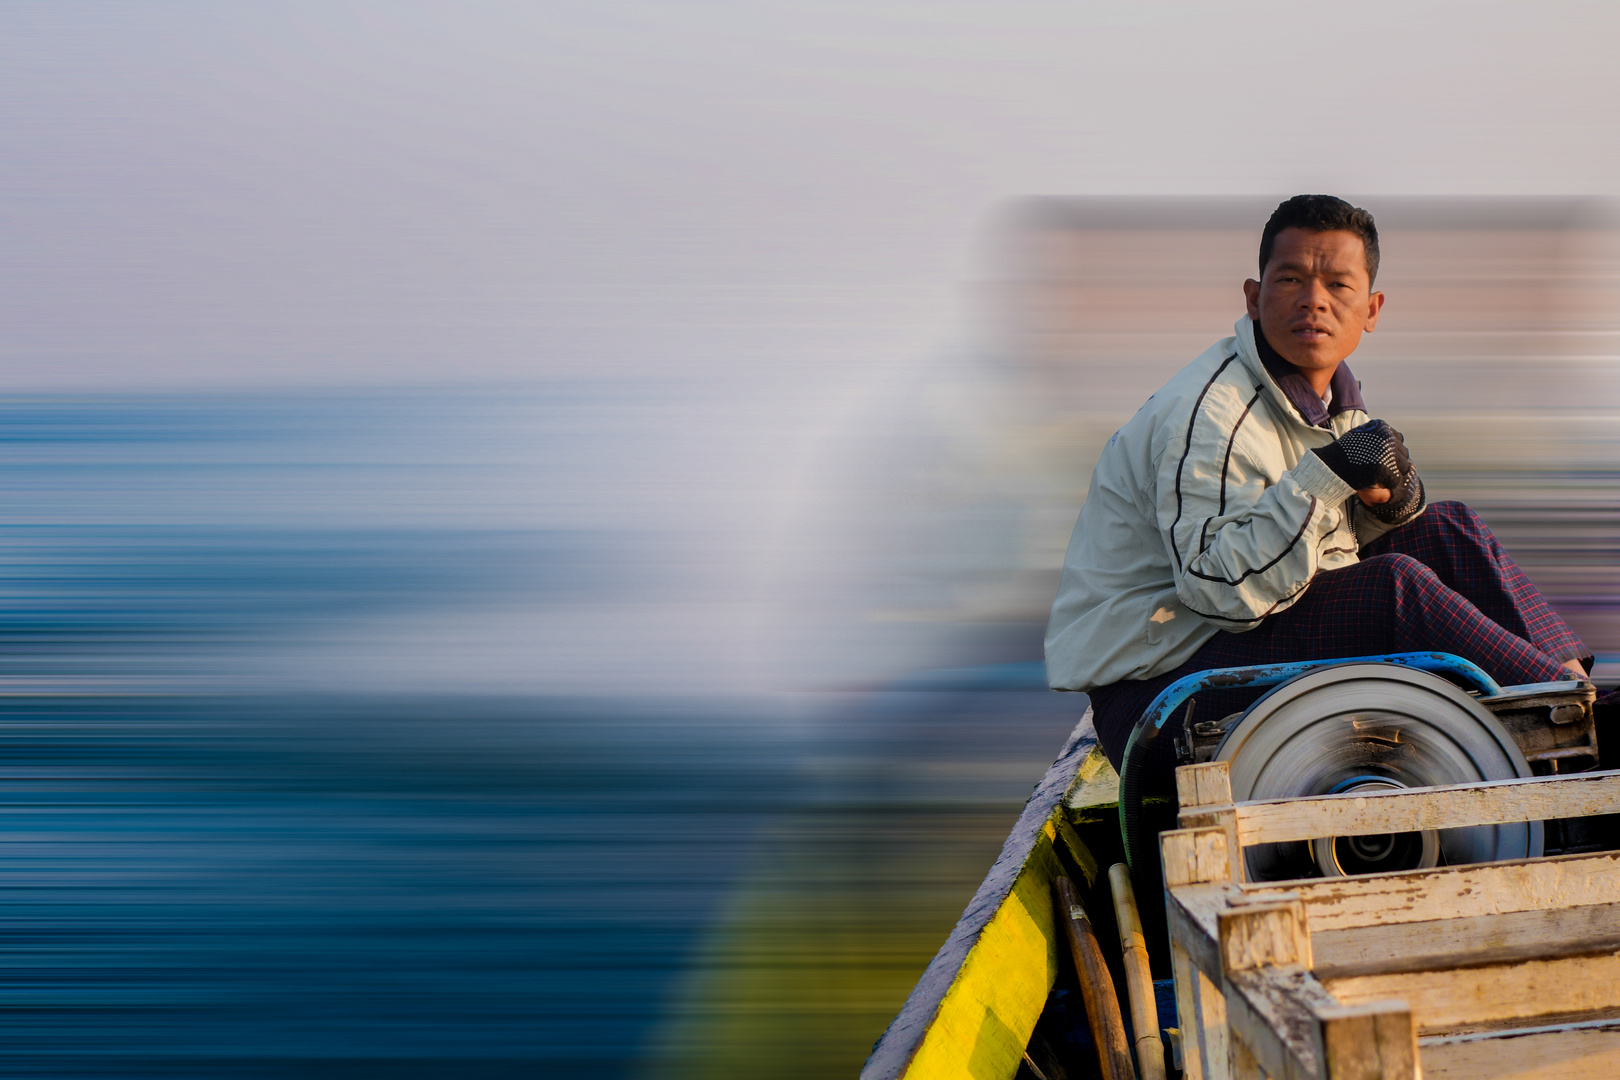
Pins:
x: 358, y: 886
x: 451, y: 886
x: 480, y: 538
x: 654, y: 727
x: 281, y: 801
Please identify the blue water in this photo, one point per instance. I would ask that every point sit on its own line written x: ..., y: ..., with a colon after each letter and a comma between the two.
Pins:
x: 217, y: 860
x: 357, y: 886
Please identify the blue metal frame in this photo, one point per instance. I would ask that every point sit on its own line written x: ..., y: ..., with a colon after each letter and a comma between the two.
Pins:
x: 1164, y: 706
x: 1265, y: 675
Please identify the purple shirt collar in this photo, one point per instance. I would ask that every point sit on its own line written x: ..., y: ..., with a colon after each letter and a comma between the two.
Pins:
x: 1298, y: 390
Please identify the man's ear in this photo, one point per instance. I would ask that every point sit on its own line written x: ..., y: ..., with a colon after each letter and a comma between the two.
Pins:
x: 1375, y: 304
x: 1251, y: 295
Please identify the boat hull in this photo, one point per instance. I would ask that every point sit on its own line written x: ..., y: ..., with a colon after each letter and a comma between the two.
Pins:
x: 973, y: 1011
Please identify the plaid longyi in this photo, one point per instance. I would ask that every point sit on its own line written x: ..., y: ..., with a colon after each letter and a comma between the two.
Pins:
x: 1441, y: 581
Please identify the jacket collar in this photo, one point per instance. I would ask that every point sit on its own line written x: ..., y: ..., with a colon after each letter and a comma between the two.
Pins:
x: 1294, y: 388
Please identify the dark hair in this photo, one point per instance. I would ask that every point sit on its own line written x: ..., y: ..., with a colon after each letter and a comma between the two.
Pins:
x: 1321, y: 213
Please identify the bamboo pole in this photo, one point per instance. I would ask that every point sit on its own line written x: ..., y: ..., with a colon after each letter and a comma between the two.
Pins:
x: 1096, y: 985
x: 1138, y: 975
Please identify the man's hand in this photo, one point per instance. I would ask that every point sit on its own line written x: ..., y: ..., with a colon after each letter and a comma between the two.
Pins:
x: 1372, y: 458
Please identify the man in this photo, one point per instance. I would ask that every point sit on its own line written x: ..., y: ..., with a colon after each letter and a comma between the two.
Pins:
x: 1252, y: 513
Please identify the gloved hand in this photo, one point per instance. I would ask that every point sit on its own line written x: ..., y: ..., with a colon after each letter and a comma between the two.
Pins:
x: 1371, y: 455
x: 1374, y: 455
x: 1405, y: 501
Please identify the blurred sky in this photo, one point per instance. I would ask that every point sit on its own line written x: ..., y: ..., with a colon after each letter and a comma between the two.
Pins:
x: 738, y: 225
x: 326, y: 191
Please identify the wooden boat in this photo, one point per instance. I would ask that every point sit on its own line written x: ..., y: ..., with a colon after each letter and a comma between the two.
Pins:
x: 976, y: 1007
x: 1002, y: 998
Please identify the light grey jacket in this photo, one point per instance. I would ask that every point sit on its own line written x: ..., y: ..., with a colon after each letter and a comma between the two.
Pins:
x: 1206, y: 512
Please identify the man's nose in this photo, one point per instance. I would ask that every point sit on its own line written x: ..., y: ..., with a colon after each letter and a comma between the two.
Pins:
x: 1314, y: 297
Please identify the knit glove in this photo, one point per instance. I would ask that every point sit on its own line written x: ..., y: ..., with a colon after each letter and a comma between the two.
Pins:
x: 1405, y: 501
x: 1373, y: 455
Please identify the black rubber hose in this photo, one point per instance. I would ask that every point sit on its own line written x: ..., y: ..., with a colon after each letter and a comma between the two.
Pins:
x: 1132, y: 766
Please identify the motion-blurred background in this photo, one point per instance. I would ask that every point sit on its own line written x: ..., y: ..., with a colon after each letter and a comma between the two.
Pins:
x: 525, y: 529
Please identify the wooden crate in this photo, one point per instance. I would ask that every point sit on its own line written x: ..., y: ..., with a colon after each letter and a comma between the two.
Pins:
x: 1508, y: 969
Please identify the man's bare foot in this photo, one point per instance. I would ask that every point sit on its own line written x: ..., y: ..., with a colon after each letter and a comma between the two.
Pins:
x: 1575, y: 667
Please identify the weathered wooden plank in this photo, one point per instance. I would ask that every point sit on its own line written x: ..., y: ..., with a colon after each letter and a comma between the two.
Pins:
x: 1241, y: 1062
x: 1188, y: 1019
x: 1224, y: 818
x: 1096, y: 784
x: 1194, y: 856
x: 972, y: 1011
x: 1457, y: 892
x: 1477, y: 939
x: 1206, y: 784
x: 1451, y: 807
x: 1269, y: 1011
x: 1197, y: 889
x: 1194, y: 929
x: 1261, y: 935
x: 1377, y: 1041
x: 1067, y: 840
x: 1214, y: 1043
x: 1580, y: 1051
x: 1449, y: 999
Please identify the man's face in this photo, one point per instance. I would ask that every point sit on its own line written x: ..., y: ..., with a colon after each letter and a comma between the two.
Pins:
x: 1314, y: 299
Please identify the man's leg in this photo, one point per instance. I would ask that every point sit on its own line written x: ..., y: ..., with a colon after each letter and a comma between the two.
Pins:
x: 1451, y: 540
x: 1385, y: 604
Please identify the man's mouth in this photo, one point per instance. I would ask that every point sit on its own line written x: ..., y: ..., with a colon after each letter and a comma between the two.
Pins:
x: 1311, y: 333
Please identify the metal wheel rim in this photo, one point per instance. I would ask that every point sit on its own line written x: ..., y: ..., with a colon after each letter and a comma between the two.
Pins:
x: 1410, y: 727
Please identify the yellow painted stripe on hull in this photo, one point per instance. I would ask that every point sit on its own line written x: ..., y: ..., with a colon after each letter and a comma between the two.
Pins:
x: 986, y: 1018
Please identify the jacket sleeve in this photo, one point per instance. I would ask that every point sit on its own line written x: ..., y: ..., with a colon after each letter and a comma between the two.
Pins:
x: 1241, y: 546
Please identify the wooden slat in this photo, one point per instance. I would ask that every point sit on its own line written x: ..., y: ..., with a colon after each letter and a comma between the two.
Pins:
x: 1214, y: 1042
x: 1452, y: 807
x: 1263, y: 935
x: 1241, y: 1062
x: 1581, y: 1051
x: 1207, y: 784
x: 1224, y: 818
x: 1194, y: 856
x: 1478, y: 939
x: 1455, y: 892
x: 1188, y: 1020
x: 1194, y: 912
x: 1493, y: 994
x: 1192, y: 925
x: 1095, y: 786
x: 1377, y: 1041
x: 1541, y: 940
x: 1270, y: 1011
